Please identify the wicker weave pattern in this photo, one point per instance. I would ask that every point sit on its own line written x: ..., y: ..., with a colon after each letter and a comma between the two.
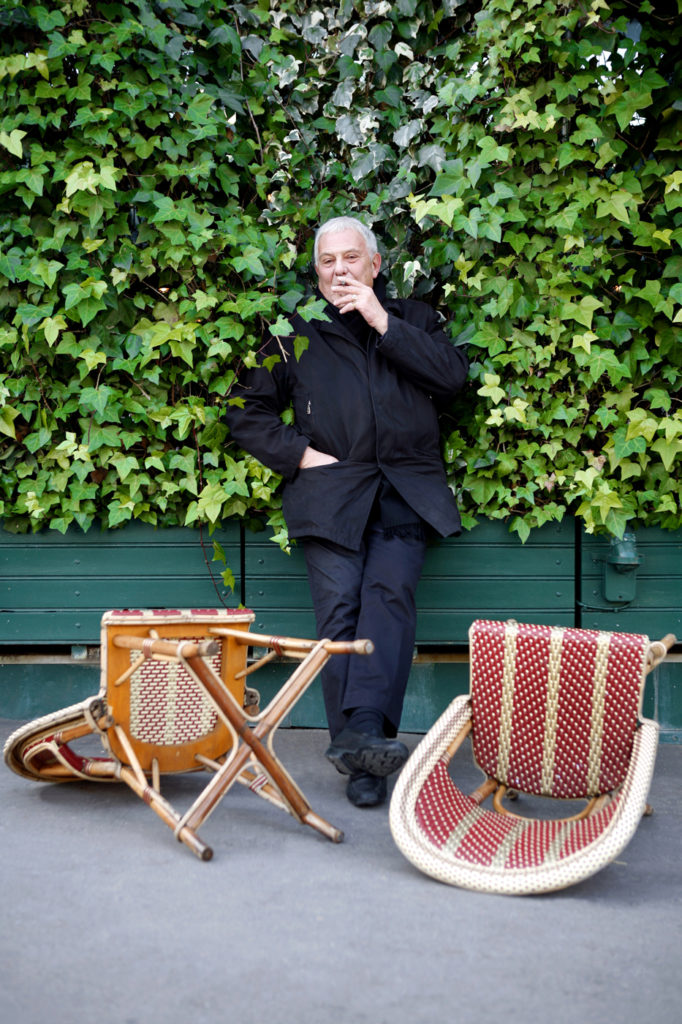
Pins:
x: 555, y: 710
x: 41, y: 749
x: 162, y: 615
x: 450, y: 819
x: 37, y: 749
x: 537, y: 694
x: 502, y: 855
x: 167, y: 706
x: 173, y: 699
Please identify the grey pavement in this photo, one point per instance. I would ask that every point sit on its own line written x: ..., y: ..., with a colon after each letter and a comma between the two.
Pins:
x: 107, y: 919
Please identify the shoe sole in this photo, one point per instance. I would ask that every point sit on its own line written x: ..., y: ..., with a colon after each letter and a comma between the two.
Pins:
x: 376, y: 762
x: 365, y: 800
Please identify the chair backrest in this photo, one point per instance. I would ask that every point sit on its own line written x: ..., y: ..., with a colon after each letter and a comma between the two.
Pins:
x: 166, y: 715
x: 554, y: 709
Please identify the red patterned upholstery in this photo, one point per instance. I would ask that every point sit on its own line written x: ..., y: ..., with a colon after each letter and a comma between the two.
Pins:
x: 555, y: 710
x: 551, y: 712
x: 449, y: 818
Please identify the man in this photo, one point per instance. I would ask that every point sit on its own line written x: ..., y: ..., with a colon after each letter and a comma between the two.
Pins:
x: 364, y: 480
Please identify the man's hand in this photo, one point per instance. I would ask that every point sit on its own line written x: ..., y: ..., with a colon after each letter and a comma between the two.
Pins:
x: 311, y: 457
x: 350, y: 294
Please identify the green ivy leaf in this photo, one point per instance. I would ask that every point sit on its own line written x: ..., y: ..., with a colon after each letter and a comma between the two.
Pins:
x: 12, y: 141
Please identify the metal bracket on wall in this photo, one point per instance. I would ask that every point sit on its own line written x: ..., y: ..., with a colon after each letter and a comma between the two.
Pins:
x: 620, y: 570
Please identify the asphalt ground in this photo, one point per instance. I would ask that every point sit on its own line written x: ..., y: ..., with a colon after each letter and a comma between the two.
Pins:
x: 107, y: 919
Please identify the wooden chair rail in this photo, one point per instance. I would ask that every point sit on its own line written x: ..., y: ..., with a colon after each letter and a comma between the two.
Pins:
x: 293, y: 646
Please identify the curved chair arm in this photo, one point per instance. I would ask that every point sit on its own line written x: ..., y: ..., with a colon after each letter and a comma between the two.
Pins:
x: 434, y: 747
x: 658, y: 651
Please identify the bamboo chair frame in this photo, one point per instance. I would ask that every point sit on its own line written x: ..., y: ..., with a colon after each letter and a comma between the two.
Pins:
x: 451, y: 837
x: 42, y: 749
x: 238, y: 747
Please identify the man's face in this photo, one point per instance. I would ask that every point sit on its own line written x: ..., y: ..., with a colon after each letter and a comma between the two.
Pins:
x: 343, y: 254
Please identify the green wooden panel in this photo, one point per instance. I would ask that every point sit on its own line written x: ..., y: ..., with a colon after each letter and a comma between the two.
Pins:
x: 654, y: 623
x: 276, y: 588
x: 29, y: 691
x: 434, y: 595
x: 29, y: 628
x: 663, y: 700
x: 431, y: 688
x: 119, y: 559
x: 657, y: 605
x: 485, y: 573
x: 435, y: 626
x: 489, y: 573
x: 126, y: 591
x: 479, y: 593
x: 489, y: 548
x: 282, y: 621
x: 54, y: 588
x: 263, y: 559
x: 441, y: 628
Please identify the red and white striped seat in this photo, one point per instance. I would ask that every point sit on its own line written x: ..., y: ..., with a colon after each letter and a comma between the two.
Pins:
x: 552, y: 712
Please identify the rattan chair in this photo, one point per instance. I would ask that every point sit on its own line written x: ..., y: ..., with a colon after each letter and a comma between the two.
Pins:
x: 552, y: 712
x: 173, y: 698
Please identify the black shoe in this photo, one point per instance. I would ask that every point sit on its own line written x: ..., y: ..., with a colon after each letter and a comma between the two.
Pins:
x: 359, y: 752
x: 365, y: 790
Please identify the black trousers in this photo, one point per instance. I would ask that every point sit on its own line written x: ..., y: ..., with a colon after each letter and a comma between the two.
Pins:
x: 366, y: 594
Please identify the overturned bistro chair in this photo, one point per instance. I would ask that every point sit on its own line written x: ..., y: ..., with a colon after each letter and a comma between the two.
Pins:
x: 173, y: 699
x: 552, y: 712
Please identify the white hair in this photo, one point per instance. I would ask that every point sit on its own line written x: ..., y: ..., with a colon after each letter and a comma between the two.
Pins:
x: 345, y: 224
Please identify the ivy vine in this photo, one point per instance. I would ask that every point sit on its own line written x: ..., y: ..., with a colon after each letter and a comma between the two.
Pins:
x: 163, y: 166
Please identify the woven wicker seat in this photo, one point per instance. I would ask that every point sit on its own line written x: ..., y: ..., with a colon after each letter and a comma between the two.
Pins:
x: 551, y: 712
x: 173, y: 699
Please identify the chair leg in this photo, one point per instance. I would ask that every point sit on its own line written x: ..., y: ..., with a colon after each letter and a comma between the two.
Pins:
x: 164, y: 810
x: 263, y: 787
x: 134, y: 777
x: 255, y: 742
x: 483, y: 791
x: 322, y: 826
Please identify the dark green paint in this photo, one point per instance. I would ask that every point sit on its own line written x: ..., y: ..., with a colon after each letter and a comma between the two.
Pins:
x: 55, y: 587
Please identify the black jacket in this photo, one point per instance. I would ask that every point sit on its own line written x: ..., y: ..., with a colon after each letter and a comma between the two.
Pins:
x: 373, y: 406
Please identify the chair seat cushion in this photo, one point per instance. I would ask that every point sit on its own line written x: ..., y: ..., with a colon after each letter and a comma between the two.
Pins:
x: 454, y: 823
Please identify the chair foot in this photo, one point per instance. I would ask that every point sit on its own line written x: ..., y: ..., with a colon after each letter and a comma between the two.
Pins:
x: 191, y: 839
x: 648, y: 811
x: 322, y: 826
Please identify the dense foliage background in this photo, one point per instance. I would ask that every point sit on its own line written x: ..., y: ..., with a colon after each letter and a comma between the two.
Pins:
x: 163, y: 165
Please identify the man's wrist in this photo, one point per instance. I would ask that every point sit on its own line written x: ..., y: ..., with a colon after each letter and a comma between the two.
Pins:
x: 384, y: 324
x: 382, y: 327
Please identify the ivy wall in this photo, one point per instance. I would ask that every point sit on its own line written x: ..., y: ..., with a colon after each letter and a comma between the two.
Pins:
x: 162, y: 168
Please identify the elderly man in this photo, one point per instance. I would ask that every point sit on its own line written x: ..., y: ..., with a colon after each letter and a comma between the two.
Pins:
x: 364, y: 482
